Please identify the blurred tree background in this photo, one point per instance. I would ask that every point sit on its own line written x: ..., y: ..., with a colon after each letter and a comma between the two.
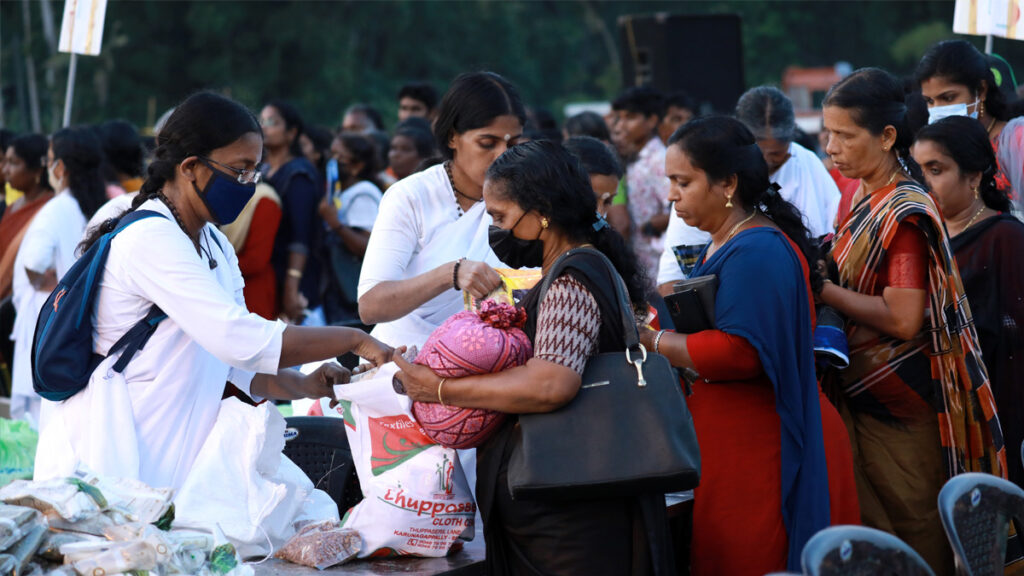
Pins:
x: 325, y: 55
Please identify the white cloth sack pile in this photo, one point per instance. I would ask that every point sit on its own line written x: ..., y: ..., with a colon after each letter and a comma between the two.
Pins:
x: 416, y: 501
x: 262, y: 497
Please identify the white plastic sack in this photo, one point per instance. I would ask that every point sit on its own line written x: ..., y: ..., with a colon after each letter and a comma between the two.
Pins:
x: 241, y: 482
x: 416, y: 501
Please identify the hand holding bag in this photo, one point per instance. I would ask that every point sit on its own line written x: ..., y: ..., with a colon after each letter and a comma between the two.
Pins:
x: 627, y: 431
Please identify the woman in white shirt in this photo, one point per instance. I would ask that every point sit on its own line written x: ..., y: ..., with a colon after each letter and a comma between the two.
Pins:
x: 349, y: 211
x: 430, y: 240
x: 150, y: 421
x: 48, y: 248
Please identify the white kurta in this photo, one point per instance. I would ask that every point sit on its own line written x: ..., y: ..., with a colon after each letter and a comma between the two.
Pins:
x: 806, y: 184
x: 50, y: 242
x: 150, y: 422
x: 418, y: 229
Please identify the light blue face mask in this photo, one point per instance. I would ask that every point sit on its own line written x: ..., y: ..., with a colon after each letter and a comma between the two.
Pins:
x: 937, y: 113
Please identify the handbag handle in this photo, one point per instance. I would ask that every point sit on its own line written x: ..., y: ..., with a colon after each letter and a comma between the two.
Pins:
x: 629, y: 330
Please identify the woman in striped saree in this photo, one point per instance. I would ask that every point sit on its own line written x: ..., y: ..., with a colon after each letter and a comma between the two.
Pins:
x: 916, y: 397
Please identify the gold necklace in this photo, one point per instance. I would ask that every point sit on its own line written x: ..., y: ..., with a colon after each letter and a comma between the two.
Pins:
x: 892, y: 178
x: 975, y: 217
x: 741, y: 223
x: 990, y: 126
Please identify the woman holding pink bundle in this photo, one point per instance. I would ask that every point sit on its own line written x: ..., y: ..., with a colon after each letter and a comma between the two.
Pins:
x: 544, y: 213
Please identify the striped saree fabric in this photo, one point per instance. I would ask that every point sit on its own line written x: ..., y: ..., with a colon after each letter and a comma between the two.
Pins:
x: 942, y: 368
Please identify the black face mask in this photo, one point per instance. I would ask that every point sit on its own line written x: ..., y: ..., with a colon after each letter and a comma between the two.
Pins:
x: 515, y: 252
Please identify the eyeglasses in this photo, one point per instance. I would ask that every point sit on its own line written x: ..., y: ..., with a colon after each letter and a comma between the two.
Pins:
x: 243, y: 176
x: 269, y: 122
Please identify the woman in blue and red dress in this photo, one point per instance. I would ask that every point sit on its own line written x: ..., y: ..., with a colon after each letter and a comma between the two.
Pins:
x: 776, y: 465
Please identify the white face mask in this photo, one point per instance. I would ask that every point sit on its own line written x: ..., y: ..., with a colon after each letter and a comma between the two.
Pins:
x: 937, y: 113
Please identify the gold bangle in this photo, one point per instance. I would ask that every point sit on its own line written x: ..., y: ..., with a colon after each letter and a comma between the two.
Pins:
x: 295, y: 273
x: 440, y: 386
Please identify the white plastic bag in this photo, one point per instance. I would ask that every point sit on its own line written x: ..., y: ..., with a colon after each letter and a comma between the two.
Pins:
x: 241, y: 481
x: 416, y: 498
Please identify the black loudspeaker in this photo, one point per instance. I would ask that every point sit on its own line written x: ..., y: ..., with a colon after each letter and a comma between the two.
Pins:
x: 699, y: 54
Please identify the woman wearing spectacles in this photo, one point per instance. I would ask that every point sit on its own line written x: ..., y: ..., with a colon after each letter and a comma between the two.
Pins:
x: 150, y: 421
x: 297, y: 242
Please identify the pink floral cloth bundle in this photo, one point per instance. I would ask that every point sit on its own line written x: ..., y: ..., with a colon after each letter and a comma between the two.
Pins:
x: 469, y: 343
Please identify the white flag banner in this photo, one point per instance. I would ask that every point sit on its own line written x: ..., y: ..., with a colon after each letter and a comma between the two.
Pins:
x: 81, y: 31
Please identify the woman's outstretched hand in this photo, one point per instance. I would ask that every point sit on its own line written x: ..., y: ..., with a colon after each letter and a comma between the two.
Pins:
x: 374, y: 350
x: 420, y: 382
x: 320, y: 384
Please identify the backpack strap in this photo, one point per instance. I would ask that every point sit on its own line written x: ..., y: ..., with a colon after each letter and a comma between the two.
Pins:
x: 136, y: 337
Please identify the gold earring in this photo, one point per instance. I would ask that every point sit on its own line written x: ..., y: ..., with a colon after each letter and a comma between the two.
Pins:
x: 975, y: 190
x: 728, y: 201
x: 544, y: 223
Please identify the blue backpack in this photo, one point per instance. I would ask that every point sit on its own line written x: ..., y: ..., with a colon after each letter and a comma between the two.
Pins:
x: 62, y: 349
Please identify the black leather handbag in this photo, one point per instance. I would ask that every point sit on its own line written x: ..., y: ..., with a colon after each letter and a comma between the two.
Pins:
x: 627, y: 432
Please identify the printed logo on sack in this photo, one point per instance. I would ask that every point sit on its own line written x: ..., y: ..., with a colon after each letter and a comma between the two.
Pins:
x: 445, y: 470
x: 395, y: 439
x: 344, y: 408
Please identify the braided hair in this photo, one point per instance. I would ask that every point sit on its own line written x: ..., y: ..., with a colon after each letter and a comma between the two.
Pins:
x: 201, y: 124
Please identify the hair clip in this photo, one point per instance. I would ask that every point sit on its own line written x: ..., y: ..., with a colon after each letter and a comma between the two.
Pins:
x: 600, y: 222
x: 773, y: 189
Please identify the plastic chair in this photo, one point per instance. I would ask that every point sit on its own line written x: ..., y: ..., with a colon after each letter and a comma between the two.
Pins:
x: 976, y: 510
x: 319, y: 446
x: 857, y: 550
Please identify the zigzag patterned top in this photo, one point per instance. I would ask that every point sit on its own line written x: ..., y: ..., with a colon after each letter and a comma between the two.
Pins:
x: 945, y: 357
x: 568, y: 324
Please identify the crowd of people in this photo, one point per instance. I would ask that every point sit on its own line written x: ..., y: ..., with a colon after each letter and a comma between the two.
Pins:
x: 283, y: 243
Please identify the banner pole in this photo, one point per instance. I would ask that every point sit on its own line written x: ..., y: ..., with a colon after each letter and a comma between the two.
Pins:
x: 69, y: 96
x: 988, y: 44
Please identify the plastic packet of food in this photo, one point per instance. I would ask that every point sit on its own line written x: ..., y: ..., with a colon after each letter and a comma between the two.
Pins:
x: 54, y: 498
x: 49, y: 550
x: 118, y: 557
x: 13, y: 521
x: 189, y: 550
x: 80, y: 550
x: 223, y: 558
x: 10, y: 533
x: 321, y: 545
x: 514, y: 286
x: 127, y: 500
x: 145, y: 533
x: 25, y: 549
x: 96, y: 525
